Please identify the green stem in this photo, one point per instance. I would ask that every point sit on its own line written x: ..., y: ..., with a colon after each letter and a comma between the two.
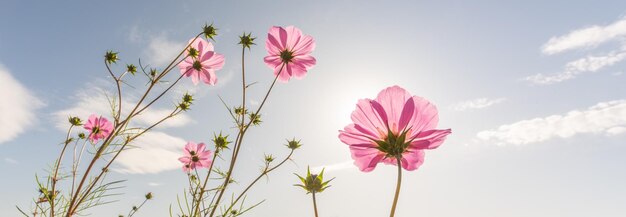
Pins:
x: 314, y: 204
x: 395, y: 199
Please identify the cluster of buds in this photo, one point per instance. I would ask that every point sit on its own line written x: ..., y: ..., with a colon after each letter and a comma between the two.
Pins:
x: 313, y: 183
x: 186, y: 103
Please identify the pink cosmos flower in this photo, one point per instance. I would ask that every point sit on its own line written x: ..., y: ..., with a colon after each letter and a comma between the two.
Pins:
x: 394, y: 125
x: 195, y: 156
x: 203, y: 66
x: 290, y: 50
x: 98, y: 127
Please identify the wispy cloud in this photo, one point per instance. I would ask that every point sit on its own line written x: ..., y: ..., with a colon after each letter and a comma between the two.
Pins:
x: 572, y: 69
x: 587, y: 37
x: 17, y: 107
x: 478, y: 103
x: 154, y: 152
x: 93, y: 99
x: 154, y: 184
x: 161, y: 50
x: 334, y: 167
x: 10, y: 160
x: 607, y: 118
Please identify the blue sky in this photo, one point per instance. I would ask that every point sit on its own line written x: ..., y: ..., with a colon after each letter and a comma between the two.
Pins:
x: 533, y: 91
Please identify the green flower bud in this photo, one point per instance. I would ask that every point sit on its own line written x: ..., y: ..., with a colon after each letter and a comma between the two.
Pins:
x: 246, y: 40
x: 131, y: 68
x: 293, y: 144
x: 149, y: 196
x: 75, y: 121
x: 82, y: 136
x: 240, y: 111
x: 269, y: 158
x: 256, y: 118
x: 209, y: 31
x: 313, y: 183
x: 184, y: 106
x: 111, y: 57
x: 187, y: 98
x: 193, y: 52
x: 221, y: 142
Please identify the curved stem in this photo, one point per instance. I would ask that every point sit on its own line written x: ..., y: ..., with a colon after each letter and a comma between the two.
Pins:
x: 56, y: 170
x: 395, y: 199
x: 314, y: 204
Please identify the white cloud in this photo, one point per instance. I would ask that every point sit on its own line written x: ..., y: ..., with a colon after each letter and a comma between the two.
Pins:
x: 607, y: 118
x: 334, y: 167
x: 154, y: 152
x: 477, y: 103
x: 572, y: 69
x: 94, y: 100
x: 586, y: 37
x: 10, y: 160
x: 161, y: 50
x: 154, y: 184
x: 18, y: 106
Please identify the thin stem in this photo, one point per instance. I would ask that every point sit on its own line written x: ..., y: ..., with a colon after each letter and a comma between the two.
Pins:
x: 314, y: 204
x: 238, y: 143
x: 265, y: 172
x: 56, y: 169
x: 395, y: 199
x: 206, y: 180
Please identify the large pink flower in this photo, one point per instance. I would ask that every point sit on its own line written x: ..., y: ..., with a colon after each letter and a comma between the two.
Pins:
x: 195, y: 156
x: 98, y: 127
x: 203, y: 66
x: 290, y: 51
x: 393, y: 125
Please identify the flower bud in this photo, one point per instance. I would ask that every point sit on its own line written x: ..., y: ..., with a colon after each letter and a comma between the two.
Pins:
x: 111, y: 57
x: 149, y: 196
x: 131, y: 68
x: 187, y: 98
x: 184, y: 106
x: 193, y: 52
x: 269, y: 158
x: 153, y: 73
x: 240, y: 111
x: 246, y: 40
x: 293, y: 144
x: 313, y: 183
x: 255, y: 118
x: 75, y: 121
x: 221, y: 142
x: 82, y: 136
x: 209, y: 31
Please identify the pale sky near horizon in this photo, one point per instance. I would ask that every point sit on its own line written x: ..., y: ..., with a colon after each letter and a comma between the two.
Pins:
x: 534, y: 92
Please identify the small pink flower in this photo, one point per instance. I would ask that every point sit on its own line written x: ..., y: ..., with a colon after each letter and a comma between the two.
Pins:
x: 195, y: 156
x: 290, y: 50
x: 203, y: 66
x: 98, y: 127
x: 394, y: 125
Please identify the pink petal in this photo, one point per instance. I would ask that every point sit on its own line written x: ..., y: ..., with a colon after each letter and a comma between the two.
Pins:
x: 215, y: 63
x: 392, y: 100
x: 368, y: 115
x: 430, y: 139
x: 273, y: 43
x: 298, y: 71
x: 307, y: 61
x: 293, y: 36
x: 425, y: 117
x: 366, y: 158
x: 200, y: 148
x: 412, y: 160
x: 407, y: 114
x: 272, y: 61
x: 284, y: 73
x: 305, y: 46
